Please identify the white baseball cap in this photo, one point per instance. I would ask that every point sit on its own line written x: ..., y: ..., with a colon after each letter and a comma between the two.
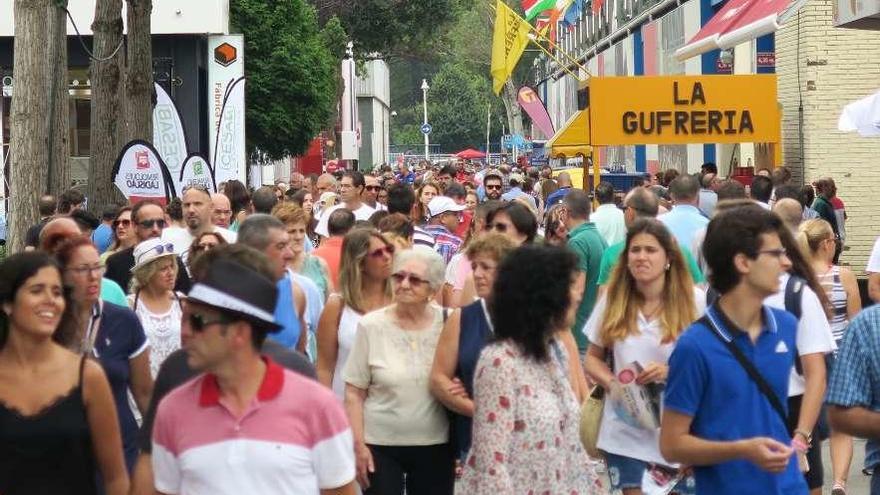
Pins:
x: 441, y: 204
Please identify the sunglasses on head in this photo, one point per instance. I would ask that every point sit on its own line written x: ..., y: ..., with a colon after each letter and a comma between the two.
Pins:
x: 148, y: 224
x: 378, y: 253
x: 414, y: 280
x: 198, y: 322
x: 160, y: 249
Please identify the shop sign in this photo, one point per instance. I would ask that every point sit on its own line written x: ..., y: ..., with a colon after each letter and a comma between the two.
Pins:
x: 766, y: 60
x: 684, y: 109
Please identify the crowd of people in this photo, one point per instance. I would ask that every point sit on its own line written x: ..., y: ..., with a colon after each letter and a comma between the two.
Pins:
x: 441, y: 329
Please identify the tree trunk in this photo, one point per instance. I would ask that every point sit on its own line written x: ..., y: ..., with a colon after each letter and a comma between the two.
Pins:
x: 511, y: 106
x: 106, y: 76
x: 28, y: 117
x: 139, y: 73
x: 58, y: 173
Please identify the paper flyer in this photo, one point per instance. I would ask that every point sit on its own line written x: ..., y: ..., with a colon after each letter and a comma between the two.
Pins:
x: 638, y: 406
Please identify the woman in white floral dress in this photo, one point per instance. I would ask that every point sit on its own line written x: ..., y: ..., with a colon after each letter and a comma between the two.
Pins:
x: 526, y: 417
x: 153, y: 298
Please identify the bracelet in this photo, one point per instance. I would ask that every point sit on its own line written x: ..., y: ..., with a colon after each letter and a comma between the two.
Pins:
x: 807, y: 437
x: 799, y: 445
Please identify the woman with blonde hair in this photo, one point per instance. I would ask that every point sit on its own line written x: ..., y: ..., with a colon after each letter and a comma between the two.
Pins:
x: 818, y: 243
x: 365, y: 269
x: 153, y: 299
x: 650, y: 300
x: 424, y: 194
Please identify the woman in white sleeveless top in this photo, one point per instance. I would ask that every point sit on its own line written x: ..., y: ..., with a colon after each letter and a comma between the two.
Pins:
x: 153, y: 298
x: 364, y: 271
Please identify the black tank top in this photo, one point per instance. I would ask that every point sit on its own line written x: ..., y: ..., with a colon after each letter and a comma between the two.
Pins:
x: 49, y: 452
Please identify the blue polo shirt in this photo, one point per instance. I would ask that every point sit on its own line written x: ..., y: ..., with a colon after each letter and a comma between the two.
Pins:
x: 285, y: 315
x: 708, y: 384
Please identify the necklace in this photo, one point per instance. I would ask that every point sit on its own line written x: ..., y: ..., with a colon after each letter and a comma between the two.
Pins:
x: 649, y: 315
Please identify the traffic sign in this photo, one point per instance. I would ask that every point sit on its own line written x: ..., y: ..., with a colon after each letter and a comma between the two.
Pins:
x: 426, y: 128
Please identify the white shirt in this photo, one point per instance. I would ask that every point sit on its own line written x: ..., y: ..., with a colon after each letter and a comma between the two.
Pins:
x: 874, y: 260
x: 610, y: 223
x: 615, y: 436
x: 813, y: 331
x: 182, y: 239
x: 362, y: 213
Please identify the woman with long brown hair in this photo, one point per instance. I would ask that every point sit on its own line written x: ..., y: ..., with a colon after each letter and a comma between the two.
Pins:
x: 123, y: 233
x: 364, y: 286
x: 424, y: 195
x: 650, y: 300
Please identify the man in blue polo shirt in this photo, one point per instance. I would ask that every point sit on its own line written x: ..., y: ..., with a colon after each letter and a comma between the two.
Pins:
x: 716, y: 417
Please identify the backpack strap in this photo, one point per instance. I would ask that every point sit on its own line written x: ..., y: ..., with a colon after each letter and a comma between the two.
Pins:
x: 794, y: 290
x: 751, y: 370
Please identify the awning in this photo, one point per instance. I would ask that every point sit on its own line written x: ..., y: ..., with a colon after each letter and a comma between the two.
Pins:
x: 573, y: 138
x: 738, y: 21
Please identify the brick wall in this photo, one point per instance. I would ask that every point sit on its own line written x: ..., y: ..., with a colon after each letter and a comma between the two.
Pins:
x: 837, y: 66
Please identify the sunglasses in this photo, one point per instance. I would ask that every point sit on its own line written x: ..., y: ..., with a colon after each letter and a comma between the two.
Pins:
x: 160, y: 249
x: 414, y: 280
x: 498, y: 227
x: 378, y: 253
x: 493, y: 187
x: 198, y: 323
x: 204, y: 247
x: 148, y: 224
x: 372, y: 188
x: 122, y: 223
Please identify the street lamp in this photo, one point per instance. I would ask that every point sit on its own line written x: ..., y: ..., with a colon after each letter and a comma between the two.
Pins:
x: 425, y: 89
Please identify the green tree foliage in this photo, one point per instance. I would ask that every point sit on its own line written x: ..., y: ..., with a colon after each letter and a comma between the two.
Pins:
x: 291, y: 70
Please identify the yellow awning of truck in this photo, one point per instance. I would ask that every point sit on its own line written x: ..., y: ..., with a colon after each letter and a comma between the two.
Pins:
x: 573, y: 138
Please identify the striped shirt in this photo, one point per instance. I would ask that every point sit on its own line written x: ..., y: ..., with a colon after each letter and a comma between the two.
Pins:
x: 294, y: 438
x: 830, y: 281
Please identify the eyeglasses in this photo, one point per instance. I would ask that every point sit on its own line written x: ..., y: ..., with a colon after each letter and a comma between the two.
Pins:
x: 372, y: 188
x: 378, y: 253
x: 414, y: 280
x: 494, y: 187
x: 83, y: 271
x: 198, y: 323
x: 223, y: 212
x: 160, y: 249
x: 498, y: 227
x: 203, y: 246
x: 122, y: 223
x: 148, y: 224
x: 776, y: 253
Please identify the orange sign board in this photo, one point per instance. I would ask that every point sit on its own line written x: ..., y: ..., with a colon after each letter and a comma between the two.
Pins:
x: 684, y: 109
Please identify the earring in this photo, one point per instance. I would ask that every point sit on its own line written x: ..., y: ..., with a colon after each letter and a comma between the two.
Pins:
x: 667, y: 267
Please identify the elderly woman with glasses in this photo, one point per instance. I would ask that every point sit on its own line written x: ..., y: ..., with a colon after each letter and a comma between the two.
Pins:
x: 153, y: 298
x: 400, y: 430
x: 111, y: 334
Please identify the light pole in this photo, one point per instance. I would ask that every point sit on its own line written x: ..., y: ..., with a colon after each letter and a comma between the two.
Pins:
x: 425, y: 89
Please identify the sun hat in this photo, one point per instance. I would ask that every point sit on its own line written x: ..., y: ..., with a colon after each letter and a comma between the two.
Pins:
x: 234, y: 289
x: 150, y: 250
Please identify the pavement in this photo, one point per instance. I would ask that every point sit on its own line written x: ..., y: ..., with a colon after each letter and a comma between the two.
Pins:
x: 858, y: 483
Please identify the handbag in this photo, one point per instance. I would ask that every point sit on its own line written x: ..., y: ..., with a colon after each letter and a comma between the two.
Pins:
x: 591, y: 420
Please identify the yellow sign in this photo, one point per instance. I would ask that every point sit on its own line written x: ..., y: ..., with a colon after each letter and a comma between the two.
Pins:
x: 683, y: 109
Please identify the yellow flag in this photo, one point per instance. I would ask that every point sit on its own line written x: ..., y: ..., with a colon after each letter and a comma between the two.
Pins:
x: 508, y: 42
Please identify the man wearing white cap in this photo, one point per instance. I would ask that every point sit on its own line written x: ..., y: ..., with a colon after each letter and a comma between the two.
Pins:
x: 246, y: 425
x: 444, y: 215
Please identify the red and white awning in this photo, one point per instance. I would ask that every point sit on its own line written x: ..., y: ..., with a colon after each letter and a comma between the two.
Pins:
x: 738, y: 21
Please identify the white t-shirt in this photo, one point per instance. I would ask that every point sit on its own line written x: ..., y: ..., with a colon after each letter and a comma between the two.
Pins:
x: 874, y: 260
x: 813, y: 331
x: 362, y: 213
x: 182, y: 239
x: 615, y: 436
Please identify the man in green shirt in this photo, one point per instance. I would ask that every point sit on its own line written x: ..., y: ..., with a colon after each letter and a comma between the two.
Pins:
x: 641, y: 203
x: 586, y: 241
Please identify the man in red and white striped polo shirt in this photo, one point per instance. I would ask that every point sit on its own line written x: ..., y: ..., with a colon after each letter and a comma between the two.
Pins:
x: 246, y: 425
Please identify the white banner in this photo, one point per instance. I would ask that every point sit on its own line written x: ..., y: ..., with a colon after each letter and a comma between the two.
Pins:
x: 169, y: 136
x: 140, y: 173
x: 196, y: 171
x: 226, y: 107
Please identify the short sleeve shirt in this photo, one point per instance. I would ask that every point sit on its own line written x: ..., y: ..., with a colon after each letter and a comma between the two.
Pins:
x: 294, y: 437
x: 393, y: 365
x: 588, y: 245
x: 611, y: 257
x: 874, y: 260
x: 707, y: 384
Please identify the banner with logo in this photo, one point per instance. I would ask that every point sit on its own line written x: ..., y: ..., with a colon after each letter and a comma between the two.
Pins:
x: 196, y: 171
x: 536, y: 110
x: 226, y: 107
x: 140, y: 173
x: 169, y: 135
